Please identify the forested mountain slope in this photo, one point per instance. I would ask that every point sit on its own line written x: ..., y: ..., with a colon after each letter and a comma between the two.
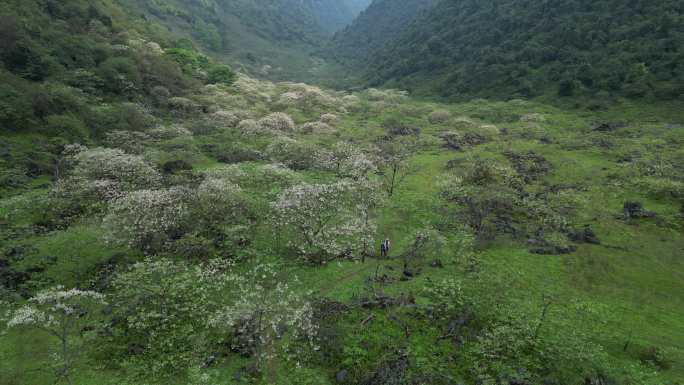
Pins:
x: 502, y: 48
x: 333, y: 15
x: 374, y: 28
x: 272, y: 38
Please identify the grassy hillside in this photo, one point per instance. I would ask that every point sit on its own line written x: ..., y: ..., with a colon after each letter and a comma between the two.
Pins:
x: 512, y: 255
x: 518, y: 48
x: 274, y: 38
x: 167, y: 220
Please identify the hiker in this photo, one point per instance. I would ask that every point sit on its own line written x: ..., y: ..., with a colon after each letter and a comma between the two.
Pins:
x: 384, y: 248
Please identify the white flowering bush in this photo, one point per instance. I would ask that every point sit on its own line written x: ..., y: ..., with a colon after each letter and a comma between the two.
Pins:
x: 292, y: 153
x: 164, y: 306
x: 146, y: 219
x: 266, y: 179
x: 439, y: 117
x: 330, y: 119
x: 265, y: 311
x: 278, y: 122
x: 347, y: 161
x: 225, y: 118
x: 306, y: 96
x: 254, y: 89
x: 62, y: 314
x: 220, y: 209
x: 131, y: 142
x: 386, y: 95
x: 425, y: 243
x: 183, y: 106
x: 169, y: 132
x: 179, y: 314
x: 351, y: 102
x: 95, y: 176
x: 319, y: 128
x: 325, y: 220
x: 249, y: 127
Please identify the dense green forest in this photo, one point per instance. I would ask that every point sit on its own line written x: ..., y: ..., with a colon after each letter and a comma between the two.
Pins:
x: 183, y: 202
x: 528, y: 48
x: 378, y: 25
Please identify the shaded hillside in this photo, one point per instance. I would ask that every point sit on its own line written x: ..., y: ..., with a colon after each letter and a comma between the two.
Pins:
x: 374, y: 28
x: 504, y: 48
x: 272, y: 38
x: 333, y: 15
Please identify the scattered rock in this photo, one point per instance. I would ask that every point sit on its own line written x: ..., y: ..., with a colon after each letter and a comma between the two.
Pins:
x: 529, y: 165
x: 586, y: 235
x: 607, y: 126
x: 458, y: 142
x: 437, y: 263
x: 635, y: 210
x: 175, y: 166
x: 341, y: 376
x: 553, y: 250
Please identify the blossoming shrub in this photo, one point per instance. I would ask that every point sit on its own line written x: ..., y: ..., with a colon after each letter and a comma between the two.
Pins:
x: 220, y: 210
x: 347, y: 161
x: 67, y: 315
x: 93, y: 177
x: 267, y: 179
x: 249, y: 127
x: 319, y: 128
x: 131, y: 142
x: 146, y: 219
x: 177, y: 315
x: 330, y: 119
x: 169, y: 132
x: 293, y: 154
x: 325, y: 221
x: 277, y: 121
x: 439, y: 117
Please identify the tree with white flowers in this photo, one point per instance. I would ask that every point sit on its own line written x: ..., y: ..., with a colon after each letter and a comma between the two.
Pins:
x: 325, y: 220
x: 348, y: 161
x: 146, y: 219
x: 176, y: 313
x: 395, y: 166
x: 91, y: 176
x: 64, y: 315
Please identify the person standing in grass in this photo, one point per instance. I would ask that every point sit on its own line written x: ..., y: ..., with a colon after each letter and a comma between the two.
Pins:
x: 384, y: 248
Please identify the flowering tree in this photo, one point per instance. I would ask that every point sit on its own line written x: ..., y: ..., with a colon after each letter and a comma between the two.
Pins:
x: 293, y: 154
x: 220, y: 210
x: 63, y: 314
x: 103, y: 174
x: 327, y: 220
x: 317, y: 128
x: 277, y: 121
x: 267, y: 178
x: 395, y: 166
x: 348, y: 161
x: 164, y: 306
x: 177, y: 314
x: 426, y: 243
x: 146, y: 219
x: 263, y: 312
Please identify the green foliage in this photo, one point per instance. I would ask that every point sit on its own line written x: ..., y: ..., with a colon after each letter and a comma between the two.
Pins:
x: 509, y: 48
x: 221, y: 74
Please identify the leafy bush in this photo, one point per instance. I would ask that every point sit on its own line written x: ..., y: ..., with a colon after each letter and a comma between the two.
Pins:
x: 221, y: 74
x: 293, y: 154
